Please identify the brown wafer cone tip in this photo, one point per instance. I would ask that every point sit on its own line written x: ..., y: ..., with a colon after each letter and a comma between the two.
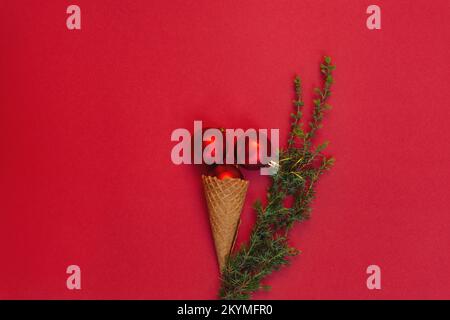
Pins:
x: 225, y: 199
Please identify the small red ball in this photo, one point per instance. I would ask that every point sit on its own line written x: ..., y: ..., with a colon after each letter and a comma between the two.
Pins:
x: 225, y: 171
x: 199, y: 152
x: 210, y: 140
x: 253, y: 161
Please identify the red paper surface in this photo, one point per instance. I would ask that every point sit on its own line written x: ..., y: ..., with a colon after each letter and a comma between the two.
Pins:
x: 86, y: 116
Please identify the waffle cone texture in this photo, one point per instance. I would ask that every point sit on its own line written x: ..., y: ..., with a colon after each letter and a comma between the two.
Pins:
x: 225, y: 199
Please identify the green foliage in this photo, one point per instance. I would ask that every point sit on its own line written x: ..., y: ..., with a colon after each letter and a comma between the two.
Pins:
x: 300, y: 167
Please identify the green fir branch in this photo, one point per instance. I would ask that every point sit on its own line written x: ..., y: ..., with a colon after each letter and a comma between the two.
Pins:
x: 300, y: 167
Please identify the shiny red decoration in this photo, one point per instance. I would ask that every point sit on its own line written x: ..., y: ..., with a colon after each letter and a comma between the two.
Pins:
x: 225, y: 171
x: 253, y: 161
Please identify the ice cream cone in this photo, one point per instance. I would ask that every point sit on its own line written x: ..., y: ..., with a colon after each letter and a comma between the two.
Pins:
x: 225, y: 199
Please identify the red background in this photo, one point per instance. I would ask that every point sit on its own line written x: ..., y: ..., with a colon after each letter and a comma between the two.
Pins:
x: 86, y: 117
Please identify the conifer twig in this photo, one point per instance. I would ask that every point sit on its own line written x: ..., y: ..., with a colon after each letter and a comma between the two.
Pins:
x: 300, y: 167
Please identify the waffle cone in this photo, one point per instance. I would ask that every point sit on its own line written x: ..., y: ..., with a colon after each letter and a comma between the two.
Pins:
x: 225, y: 199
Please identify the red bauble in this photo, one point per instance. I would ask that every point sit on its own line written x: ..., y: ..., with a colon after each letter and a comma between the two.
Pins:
x: 208, y: 141
x: 225, y: 171
x: 199, y: 152
x: 253, y: 161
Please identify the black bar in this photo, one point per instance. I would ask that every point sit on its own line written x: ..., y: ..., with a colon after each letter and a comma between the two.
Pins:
x: 201, y: 309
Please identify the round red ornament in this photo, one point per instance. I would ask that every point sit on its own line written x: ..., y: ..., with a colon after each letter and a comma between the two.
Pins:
x: 206, y: 141
x: 225, y: 171
x: 253, y: 160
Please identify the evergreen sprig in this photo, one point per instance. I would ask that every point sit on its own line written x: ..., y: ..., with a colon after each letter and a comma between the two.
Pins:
x: 300, y: 166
